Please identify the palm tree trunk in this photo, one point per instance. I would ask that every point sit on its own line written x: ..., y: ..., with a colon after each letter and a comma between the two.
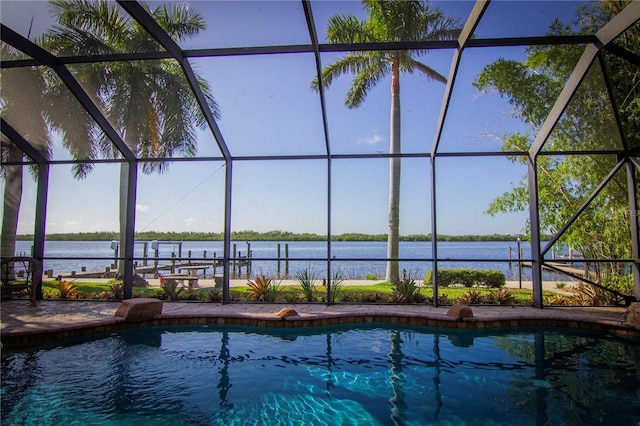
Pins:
x: 393, y: 235
x: 12, y: 199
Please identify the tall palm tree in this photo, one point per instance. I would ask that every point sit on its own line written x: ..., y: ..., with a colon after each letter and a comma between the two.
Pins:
x: 148, y: 102
x: 388, y: 21
x: 22, y: 106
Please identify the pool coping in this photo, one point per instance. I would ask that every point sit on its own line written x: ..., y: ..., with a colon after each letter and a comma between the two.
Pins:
x: 54, y: 321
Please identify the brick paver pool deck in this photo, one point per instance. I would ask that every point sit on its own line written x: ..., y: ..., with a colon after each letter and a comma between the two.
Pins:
x: 54, y: 320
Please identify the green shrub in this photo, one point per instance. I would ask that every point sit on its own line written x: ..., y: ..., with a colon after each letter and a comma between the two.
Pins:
x: 372, y: 297
x: 559, y: 300
x: 292, y: 297
x: 273, y: 291
x: 472, y: 297
x: 467, y: 278
x: 213, y: 295
x: 170, y: 288
x: 406, y: 291
x: 502, y: 297
x: 307, y: 281
x: 259, y: 288
x: 494, y: 279
x: 117, y: 290
x: 348, y: 297
x: 336, y: 285
x: 67, y: 289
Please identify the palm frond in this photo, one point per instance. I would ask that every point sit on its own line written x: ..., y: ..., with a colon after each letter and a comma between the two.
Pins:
x: 81, y: 170
x: 23, y: 105
x: 348, y: 29
x: 88, y: 14
x: 402, y: 20
x: 427, y: 71
x: 364, y: 81
x: 153, y: 130
x: 211, y: 101
x: 395, y: 20
x: 103, y: 19
x: 72, y: 41
x: 179, y: 20
x: 390, y: 20
x: 351, y: 63
x: 442, y: 28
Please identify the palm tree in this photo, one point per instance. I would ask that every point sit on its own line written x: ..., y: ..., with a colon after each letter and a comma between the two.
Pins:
x: 148, y: 102
x: 22, y: 106
x: 388, y: 21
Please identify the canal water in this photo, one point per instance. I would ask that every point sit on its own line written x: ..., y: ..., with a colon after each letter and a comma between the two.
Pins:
x: 353, y: 260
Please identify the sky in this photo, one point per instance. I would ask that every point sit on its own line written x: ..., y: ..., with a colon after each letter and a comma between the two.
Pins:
x: 268, y: 108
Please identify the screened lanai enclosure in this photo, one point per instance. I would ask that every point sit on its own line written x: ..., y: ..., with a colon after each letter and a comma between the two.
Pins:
x: 394, y: 140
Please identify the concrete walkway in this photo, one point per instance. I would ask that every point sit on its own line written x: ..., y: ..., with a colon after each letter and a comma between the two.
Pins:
x: 52, y: 320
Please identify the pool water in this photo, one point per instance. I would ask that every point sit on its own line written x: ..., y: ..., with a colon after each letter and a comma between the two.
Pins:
x: 360, y: 375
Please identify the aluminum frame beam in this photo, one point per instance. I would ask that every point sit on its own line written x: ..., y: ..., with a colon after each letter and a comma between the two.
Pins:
x: 322, y: 48
x: 602, y: 40
x: 313, y: 35
x: 619, y: 24
x: 316, y: 52
x: 623, y: 53
x: 155, y: 30
x: 569, y: 89
x: 534, y: 219
x: 45, y: 58
x: 634, y: 210
x: 434, y: 231
x: 22, y: 143
x: 152, y: 27
x: 606, y: 35
x: 42, y: 192
x: 463, y: 39
x: 614, y: 28
x: 465, y: 35
x: 35, y: 51
x: 226, y: 249
x: 584, y: 205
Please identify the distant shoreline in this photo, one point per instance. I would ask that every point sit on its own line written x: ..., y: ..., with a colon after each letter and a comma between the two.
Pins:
x: 262, y: 236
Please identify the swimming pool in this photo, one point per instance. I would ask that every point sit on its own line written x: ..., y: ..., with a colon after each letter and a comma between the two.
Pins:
x: 358, y: 375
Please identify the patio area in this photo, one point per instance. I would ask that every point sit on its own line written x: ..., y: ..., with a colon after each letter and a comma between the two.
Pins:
x: 53, y: 321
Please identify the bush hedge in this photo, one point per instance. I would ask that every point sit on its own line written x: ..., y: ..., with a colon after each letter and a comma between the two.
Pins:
x: 467, y: 277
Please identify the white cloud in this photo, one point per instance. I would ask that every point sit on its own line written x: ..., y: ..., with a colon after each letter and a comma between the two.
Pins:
x: 373, y: 138
x: 189, y: 221
x: 142, y: 208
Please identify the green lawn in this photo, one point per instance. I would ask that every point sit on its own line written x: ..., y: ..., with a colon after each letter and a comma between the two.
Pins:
x: 374, y: 293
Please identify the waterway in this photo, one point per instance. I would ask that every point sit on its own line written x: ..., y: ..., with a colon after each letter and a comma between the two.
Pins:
x: 353, y: 260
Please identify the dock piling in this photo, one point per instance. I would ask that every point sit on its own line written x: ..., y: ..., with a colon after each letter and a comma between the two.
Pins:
x: 233, y: 262
x: 248, y: 260
x: 278, y: 261
x: 286, y: 261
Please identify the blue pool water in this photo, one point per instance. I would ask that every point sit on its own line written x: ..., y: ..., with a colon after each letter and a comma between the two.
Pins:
x: 361, y: 375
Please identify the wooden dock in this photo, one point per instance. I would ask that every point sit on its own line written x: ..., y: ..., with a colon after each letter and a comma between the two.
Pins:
x: 152, y: 265
x: 558, y: 266
x: 153, y: 268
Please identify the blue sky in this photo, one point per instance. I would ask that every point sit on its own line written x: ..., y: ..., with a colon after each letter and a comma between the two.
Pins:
x: 268, y: 108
